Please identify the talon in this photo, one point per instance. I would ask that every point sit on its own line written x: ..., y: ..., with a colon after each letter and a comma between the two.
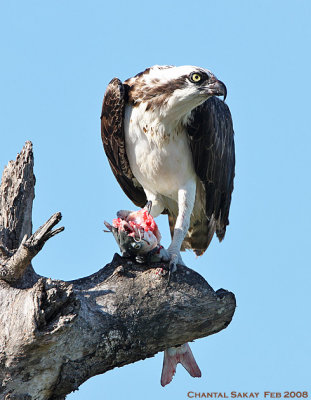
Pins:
x: 148, y: 206
x: 169, y: 277
x: 172, y: 267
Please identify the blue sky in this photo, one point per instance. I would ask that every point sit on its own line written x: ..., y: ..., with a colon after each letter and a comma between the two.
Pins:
x: 56, y: 61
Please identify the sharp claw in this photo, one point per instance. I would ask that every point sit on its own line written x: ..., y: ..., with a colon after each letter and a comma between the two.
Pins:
x: 148, y: 206
x: 169, y: 277
x: 172, y: 267
x: 170, y: 272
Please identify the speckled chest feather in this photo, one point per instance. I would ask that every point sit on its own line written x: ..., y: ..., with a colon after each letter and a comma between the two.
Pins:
x: 158, y: 151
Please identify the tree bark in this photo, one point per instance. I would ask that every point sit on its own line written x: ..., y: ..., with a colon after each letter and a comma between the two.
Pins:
x: 55, y: 335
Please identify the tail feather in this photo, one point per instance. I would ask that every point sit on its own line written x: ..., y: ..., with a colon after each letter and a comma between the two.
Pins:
x: 175, y: 355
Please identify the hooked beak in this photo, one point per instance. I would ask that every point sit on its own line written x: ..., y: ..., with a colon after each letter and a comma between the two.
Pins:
x: 216, y: 88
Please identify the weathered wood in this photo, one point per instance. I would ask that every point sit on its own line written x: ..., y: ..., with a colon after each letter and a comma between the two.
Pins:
x: 15, y: 264
x: 55, y: 335
x: 16, y: 198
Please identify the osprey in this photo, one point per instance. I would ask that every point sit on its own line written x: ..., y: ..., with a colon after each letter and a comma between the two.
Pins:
x: 170, y: 141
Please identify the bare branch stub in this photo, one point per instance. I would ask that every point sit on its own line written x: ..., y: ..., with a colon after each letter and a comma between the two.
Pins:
x: 44, y: 233
x: 16, y: 198
x: 15, y: 265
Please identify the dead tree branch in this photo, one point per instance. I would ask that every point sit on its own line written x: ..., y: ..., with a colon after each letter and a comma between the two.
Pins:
x: 55, y: 335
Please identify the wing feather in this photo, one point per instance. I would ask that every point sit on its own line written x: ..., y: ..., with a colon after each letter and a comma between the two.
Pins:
x: 211, y: 138
x: 112, y: 133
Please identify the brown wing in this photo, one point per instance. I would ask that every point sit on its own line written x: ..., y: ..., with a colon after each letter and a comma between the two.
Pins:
x: 112, y: 133
x: 211, y: 136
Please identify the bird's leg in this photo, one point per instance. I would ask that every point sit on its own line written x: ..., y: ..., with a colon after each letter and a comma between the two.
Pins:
x: 186, y: 198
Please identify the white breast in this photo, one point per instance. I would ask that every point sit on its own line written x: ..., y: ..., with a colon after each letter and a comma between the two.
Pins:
x: 158, y: 152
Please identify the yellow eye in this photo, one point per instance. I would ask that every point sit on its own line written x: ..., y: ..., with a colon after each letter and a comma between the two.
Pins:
x: 195, y: 77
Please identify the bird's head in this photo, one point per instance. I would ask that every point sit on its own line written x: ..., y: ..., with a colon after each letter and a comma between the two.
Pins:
x: 176, y: 90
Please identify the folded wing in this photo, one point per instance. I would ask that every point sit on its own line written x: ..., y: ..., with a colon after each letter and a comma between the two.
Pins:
x: 112, y: 133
